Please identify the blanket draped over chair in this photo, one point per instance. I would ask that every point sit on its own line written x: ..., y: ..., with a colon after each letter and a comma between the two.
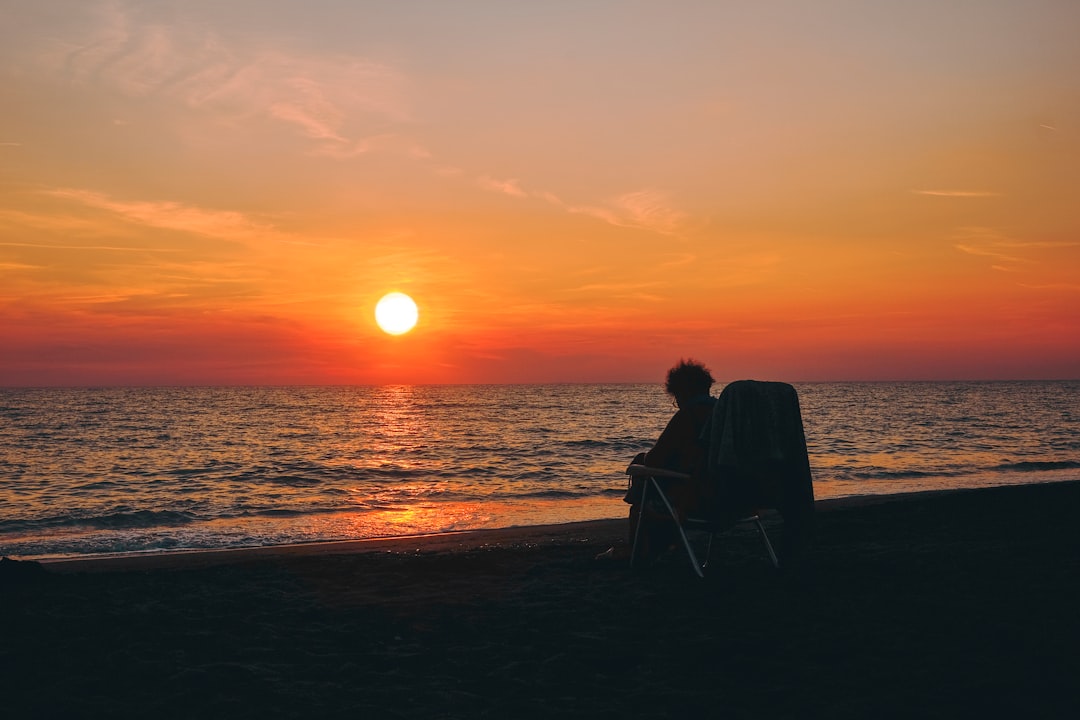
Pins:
x: 757, y: 458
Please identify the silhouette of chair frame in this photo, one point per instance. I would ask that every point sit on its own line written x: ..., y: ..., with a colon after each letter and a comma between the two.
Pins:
x: 654, y: 484
x: 756, y: 458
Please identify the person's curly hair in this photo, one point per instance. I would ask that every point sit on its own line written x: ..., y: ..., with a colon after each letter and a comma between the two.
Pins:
x: 689, y: 377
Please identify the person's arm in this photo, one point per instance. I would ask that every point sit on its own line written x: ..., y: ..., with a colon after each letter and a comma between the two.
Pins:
x: 672, y: 443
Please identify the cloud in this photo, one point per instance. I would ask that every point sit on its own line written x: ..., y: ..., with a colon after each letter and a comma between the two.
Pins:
x: 600, y: 213
x: 618, y: 288
x: 990, y: 251
x: 166, y: 215
x: 507, y: 187
x: 649, y: 209
x: 642, y: 209
x: 1006, y: 251
x: 53, y: 222
x: 1069, y: 287
x: 329, y: 100
x: 310, y: 111
x: 958, y: 193
x: 107, y: 248
x: 381, y: 142
x: 106, y: 298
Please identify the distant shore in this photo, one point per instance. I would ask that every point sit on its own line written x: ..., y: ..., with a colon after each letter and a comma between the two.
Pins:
x: 941, y: 604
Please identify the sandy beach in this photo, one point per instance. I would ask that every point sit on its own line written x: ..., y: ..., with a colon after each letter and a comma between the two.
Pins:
x: 936, y: 605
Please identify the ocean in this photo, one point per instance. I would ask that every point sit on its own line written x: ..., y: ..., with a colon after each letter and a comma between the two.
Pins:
x: 134, y: 470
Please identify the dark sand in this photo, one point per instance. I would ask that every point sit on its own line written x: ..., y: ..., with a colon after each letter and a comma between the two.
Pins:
x: 948, y: 605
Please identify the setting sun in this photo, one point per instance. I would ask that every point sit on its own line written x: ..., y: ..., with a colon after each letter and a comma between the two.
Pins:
x: 396, y: 313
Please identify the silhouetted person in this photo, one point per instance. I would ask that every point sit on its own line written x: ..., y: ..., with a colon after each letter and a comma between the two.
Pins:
x: 679, y: 448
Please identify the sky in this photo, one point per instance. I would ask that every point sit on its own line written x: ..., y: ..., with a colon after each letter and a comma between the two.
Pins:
x: 198, y: 192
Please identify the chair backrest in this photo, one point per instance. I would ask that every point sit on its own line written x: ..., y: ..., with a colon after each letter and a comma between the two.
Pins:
x: 756, y: 450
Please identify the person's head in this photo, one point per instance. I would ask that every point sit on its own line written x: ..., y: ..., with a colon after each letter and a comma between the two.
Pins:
x: 688, y: 379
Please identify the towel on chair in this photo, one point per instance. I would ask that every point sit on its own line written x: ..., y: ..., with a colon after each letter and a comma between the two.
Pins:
x: 756, y: 438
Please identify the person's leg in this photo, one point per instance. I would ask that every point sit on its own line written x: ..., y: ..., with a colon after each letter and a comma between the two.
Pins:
x: 656, y: 534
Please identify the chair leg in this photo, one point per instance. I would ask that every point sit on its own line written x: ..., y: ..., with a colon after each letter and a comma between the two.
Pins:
x: 640, y: 521
x: 768, y: 545
x: 708, y: 549
x: 682, y: 534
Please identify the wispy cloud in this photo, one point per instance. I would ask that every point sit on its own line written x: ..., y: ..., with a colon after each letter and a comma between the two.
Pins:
x: 172, y: 215
x: 1068, y: 287
x: 649, y: 209
x: 59, y: 223
x: 681, y: 260
x: 507, y: 187
x: 617, y: 288
x: 1007, y: 252
x: 990, y: 251
x: 958, y: 193
x: 391, y: 143
x: 642, y: 209
x: 105, y: 248
x: 331, y: 100
x: 105, y: 298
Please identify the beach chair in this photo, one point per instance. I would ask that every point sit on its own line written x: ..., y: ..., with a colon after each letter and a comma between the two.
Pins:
x: 756, y: 459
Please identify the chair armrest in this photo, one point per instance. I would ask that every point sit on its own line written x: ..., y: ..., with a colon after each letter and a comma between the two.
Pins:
x: 636, y: 470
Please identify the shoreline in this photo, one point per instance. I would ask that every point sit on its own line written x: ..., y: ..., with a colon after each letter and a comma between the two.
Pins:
x: 453, y: 541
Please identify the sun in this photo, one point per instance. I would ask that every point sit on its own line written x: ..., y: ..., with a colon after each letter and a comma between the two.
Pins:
x: 396, y: 313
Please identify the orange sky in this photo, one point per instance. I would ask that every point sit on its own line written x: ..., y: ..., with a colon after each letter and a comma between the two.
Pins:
x: 204, y: 192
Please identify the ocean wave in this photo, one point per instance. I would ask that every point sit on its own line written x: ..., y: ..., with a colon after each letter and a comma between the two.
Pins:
x: 113, y: 521
x: 275, y: 512
x: 97, y: 485
x: 547, y: 495
x: 614, y: 446
x: 883, y: 474
x: 312, y: 476
x: 139, y: 519
x: 1028, y: 466
x: 390, y: 472
x: 295, y: 480
x: 1037, y: 466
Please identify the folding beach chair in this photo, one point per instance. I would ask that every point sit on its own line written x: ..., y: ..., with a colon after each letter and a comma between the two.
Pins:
x: 756, y: 459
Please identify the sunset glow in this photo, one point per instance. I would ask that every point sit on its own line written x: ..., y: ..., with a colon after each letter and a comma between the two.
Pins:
x: 219, y: 193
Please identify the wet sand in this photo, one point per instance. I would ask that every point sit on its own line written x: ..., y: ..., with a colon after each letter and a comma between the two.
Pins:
x: 936, y: 605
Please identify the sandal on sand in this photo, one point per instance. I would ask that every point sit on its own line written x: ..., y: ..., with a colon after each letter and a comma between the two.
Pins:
x: 609, y: 555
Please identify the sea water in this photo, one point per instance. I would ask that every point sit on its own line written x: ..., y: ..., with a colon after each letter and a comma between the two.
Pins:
x: 119, y: 470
